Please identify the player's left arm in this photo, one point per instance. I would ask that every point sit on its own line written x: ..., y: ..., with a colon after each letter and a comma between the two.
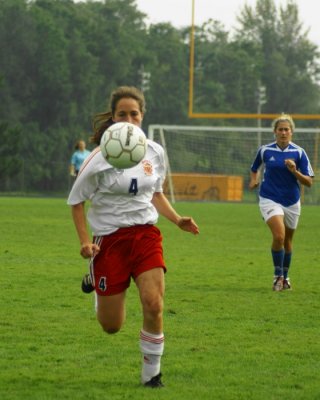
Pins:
x: 165, y: 209
x: 302, y: 178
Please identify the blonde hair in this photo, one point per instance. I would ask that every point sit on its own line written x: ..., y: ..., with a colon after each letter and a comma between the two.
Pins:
x: 283, y: 118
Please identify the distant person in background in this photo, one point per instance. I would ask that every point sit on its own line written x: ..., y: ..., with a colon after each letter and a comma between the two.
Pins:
x: 80, y: 154
x: 286, y: 167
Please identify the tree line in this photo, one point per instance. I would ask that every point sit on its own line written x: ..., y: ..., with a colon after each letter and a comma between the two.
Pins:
x: 60, y: 60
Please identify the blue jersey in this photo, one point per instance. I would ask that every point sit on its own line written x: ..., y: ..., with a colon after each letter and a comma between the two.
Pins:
x: 278, y: 183
x: 78, y: 157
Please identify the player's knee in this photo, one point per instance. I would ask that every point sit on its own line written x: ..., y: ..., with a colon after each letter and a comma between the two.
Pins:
x: 278, y: 238
x: 154, y: 306
x: 110, y: 329
x: 110, y: 326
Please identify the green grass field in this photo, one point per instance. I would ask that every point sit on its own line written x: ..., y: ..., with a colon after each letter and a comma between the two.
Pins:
x: 228, y: 335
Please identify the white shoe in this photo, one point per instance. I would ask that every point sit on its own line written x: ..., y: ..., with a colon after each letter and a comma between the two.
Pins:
x: 278, y: 283
x: 286, y: 284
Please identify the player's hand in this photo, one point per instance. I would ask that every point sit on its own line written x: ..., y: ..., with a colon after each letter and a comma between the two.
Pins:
x: 89, y: 250
x: 253, y: 184
x: 187, y: 224
x: 291, y: 165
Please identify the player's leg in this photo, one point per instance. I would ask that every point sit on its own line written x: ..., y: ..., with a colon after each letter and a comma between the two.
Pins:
x: 277, y: 228
x: 287, y: 257
x: 151, y: 290
x: 273, y: 214
x: 111, y: 312
x: 291, y: 220
x: 111, y: 278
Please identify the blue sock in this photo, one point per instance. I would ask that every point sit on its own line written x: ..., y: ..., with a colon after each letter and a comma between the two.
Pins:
x: 277, y: 257
x: 286, y: 264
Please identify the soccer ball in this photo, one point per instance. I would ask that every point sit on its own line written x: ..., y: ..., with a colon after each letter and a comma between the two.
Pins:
x: 123, y: 145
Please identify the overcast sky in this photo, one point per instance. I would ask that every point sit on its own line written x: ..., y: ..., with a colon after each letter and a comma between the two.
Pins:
x: 179, y: 12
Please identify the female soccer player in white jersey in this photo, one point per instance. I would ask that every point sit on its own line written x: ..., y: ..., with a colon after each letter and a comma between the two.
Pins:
x: 126, y: 243
x: 286, y: 166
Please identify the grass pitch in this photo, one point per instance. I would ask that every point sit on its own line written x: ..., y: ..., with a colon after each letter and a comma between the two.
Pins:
x: 228, y: 336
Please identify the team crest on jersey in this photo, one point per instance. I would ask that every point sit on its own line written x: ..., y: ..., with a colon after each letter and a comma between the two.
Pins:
x: 147, y: 167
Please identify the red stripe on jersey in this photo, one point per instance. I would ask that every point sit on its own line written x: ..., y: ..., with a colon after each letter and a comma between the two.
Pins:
x: 87, y: 160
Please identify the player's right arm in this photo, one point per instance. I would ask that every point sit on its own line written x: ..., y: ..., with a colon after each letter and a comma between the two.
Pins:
x: 254, y: 171
x: 87, y: 248
x: 254, y: 180
x: 72, y: 170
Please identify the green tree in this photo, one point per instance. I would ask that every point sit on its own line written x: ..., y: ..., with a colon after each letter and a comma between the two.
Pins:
x: 17, y: 50
x: 224, y: 72
x: 115, y: 37
x: 51, y: 96
x: 59, y: 61
x: 288, y: 61
x: 11, y: 163
x: 169, y: 75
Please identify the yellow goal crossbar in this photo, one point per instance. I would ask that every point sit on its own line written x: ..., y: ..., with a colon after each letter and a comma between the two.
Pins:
x: 192, y: 114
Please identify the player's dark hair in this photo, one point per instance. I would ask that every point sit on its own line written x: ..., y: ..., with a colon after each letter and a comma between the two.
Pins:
x: 100, y: 123
x: 103, y: 121
x: 77, y: 145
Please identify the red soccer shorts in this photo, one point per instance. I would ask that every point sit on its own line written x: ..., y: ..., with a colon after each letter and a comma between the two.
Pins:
x: 124, y: 254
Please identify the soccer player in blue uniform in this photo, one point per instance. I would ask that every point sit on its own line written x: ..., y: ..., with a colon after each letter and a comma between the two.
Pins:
x: 286, y: 167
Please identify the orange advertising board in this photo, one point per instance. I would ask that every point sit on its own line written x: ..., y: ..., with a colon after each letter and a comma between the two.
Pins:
x: 206, y: 187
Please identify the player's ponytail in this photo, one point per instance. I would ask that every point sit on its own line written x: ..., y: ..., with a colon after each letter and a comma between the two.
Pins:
x: 100, y: 123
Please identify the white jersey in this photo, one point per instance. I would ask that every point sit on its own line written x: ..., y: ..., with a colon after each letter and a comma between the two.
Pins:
x: 119, y: 198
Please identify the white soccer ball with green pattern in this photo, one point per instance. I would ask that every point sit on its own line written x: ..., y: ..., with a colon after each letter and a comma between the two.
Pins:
x: 123, y: 145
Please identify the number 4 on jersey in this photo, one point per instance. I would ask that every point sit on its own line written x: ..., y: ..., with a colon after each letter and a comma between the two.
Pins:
x: 103, y: 283
x: 133, y: 188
